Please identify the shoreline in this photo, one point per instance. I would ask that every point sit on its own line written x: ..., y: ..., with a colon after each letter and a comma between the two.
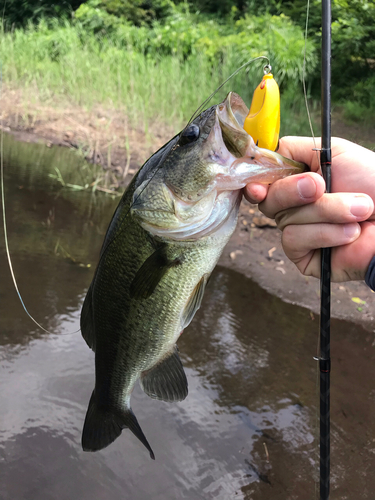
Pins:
x: 255, y: 250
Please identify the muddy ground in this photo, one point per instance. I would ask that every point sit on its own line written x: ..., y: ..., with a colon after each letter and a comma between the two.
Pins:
x: 104, y: 137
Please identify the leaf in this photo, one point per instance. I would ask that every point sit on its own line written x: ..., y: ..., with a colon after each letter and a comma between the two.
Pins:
x: 357, y: 300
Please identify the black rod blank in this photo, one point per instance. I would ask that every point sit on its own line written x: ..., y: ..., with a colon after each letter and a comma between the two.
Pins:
x: 325, y: 282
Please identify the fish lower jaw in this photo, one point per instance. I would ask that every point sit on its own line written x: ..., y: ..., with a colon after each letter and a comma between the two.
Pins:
x: 223, y: 214
x: 244, y: 172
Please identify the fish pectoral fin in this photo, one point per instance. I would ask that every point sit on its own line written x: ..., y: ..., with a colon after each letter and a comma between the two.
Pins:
x: 151, y: 273
x: 167, y: 380
x: 194, y: 301
x: 102, y: 426
x: 87, y: 327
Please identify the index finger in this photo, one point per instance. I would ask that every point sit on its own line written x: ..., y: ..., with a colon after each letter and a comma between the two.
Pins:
x: 293, y: 191
x: 301, y: 149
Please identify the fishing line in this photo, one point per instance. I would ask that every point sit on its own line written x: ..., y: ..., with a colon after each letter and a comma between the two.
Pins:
x: 317, y: 357
x: 7, y: 251
x: 322, y: 435
x: 5, y: 224
x: 6, y: 233
x: 304, y: 81
x: 194, y: 115
x: 200, y: 108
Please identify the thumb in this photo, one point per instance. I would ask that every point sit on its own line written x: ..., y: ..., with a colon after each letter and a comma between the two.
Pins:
x: 301, y: 149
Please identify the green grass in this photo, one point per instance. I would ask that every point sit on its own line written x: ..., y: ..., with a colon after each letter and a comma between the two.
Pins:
x: 67, y: 64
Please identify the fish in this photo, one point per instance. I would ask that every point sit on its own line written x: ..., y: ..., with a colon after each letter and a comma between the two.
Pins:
x: 162, y: 244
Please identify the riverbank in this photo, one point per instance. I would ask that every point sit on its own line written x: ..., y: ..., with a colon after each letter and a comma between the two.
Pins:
x: 103, y: 136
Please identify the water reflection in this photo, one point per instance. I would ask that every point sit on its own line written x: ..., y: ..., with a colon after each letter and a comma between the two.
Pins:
x: 246, y: 429
x: 54, y: 236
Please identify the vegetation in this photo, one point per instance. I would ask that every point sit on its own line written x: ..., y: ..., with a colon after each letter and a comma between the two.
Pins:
x: 155, y: 73
x: 158, y: 59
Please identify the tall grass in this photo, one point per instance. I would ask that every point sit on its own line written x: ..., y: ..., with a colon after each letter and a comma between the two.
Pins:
x: 67, y: 63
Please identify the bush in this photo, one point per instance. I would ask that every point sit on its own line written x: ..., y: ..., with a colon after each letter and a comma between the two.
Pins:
x: 95, y: 19
x: 186, y: 35
x: 138, y: 12
x: 105, y: 15
x: 161, y: 74
x: 21, y: 12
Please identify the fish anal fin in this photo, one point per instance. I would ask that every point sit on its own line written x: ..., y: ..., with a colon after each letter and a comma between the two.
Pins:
x: 87, y: 326
x: 103, y: 425
x: 167, y: 380
x: 151, y: 273
x: 194, y: 301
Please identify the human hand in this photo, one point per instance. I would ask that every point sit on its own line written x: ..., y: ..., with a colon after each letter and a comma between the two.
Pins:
x: 311, y: 219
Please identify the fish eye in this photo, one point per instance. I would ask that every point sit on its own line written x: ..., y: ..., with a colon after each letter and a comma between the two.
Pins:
x: 189, y: 135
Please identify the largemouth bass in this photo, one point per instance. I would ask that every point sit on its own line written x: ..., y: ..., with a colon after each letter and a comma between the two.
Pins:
x: 161, y: 246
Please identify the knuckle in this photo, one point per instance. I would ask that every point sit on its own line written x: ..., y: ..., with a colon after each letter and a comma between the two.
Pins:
x: 288, y: 233
x: 281, y: 219
x: 289, y: 242
x: 282, y: 198
x: 278, y: 198
x: 311, y: 266
x: 263, y: 207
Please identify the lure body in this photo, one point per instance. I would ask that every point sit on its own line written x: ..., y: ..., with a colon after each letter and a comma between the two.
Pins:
x: 263, y: 120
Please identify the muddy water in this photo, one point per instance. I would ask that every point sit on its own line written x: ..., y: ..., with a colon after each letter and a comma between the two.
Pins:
x: 247, y: 429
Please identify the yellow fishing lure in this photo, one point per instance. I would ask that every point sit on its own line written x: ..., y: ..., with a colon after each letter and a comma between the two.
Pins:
x: 263, y: 120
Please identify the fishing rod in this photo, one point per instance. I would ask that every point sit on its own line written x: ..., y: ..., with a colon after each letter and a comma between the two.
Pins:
x: 325, y: 280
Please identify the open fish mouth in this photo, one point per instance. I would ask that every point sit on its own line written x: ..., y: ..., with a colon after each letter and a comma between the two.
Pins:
x: 252, y: 164
x: 198, y: 190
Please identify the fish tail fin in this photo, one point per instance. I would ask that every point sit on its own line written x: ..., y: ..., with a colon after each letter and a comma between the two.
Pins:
x: 102, y: 427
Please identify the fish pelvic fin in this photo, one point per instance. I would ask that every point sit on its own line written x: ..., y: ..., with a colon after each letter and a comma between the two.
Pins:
x: 167, y: 380
x: 102, y: 426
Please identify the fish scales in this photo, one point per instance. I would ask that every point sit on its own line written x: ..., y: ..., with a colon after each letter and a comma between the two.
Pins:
x: 162, y: 244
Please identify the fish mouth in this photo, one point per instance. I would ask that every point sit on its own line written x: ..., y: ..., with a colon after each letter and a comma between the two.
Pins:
x: 252, y: 163
x: 229, y: 158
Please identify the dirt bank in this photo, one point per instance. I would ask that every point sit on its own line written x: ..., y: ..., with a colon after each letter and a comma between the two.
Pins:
x: 102, y: 135
x: 105, y: 137
x: 257, y: 252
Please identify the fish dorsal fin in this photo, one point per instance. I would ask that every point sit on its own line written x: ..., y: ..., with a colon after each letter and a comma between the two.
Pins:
x: 151, y: 272
x: 167, y: 380
x: 87, y: 327
x: 194, y: 301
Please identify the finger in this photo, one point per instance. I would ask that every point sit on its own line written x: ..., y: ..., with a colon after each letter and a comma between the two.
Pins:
x: 255, y: 193
x: 348, y: 262
x: 300, y: 242
x: 301, y: 149
x: 293, y: 191
x: 306, y: 150
x: 339, y: 208
x: 355, y: 258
